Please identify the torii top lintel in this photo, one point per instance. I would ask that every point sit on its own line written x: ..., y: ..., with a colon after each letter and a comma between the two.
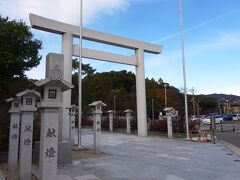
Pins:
x: 57, y: 27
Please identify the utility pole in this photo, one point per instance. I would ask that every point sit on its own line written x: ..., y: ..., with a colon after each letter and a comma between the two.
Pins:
x: 183, y: 66
x: 197, y: 107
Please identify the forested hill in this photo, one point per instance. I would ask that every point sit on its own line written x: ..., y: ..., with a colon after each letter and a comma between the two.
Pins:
x: 121, y: 86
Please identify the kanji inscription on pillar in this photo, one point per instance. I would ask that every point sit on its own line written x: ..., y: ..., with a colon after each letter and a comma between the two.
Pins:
x: 51, y: 132
x: 50, y: 153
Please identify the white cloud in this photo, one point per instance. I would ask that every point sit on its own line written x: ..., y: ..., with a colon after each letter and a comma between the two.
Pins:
x: 62, y: 10
x: 166, y: 58
x: 224, y: 40
x: 231, y: 90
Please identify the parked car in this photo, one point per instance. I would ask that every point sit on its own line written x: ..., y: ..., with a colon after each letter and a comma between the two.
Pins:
x: 227, y: 117
x: 236, y: 117
x: 194, y: 118
x: 199, y: 118
x: 218, y: 119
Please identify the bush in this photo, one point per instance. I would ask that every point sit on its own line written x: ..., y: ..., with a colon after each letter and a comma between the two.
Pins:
x: 158, y: 125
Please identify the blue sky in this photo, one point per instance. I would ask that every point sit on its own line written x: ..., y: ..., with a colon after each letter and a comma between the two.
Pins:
x: 212, y: 36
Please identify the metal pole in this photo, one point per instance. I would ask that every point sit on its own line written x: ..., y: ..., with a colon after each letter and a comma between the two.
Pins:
x: 114, y: 106
x: 152, y: 110
x: 80, y: 79
x: 183, y: 64
x: 228, y: 106
x: 193, y: 102
x: 165, y: 96
x: 213, y: 128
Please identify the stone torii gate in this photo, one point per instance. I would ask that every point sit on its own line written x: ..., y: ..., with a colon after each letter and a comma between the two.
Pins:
x: 68, y: 50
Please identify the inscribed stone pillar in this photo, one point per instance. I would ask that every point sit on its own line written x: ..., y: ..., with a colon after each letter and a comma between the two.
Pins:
x: 141, y: 94
x: 72, y: 117
x: 14, y: 133
x: 110, y: 120
x: 170, y: 112
x: 48, y: 143
x: 25, y: 156
x: 128, y: 120
x: 169, y: 125
x: 97, y: 112
x: 55, y: 67
x: 52, y: 88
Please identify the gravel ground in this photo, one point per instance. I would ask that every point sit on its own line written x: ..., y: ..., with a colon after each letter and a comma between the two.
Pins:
x: 83, y: 154
x: 10, y: 175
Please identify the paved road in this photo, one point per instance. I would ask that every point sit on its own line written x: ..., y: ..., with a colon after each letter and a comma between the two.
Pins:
x: 233, y: 138
x: 226, y: 127
x: 227, y: 134
x: 152, y: 158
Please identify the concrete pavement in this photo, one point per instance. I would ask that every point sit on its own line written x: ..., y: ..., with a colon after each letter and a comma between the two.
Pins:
x: 234, y: 149
x: 149, y: 158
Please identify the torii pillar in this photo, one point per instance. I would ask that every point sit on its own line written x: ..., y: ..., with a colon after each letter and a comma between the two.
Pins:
x: 67, y: 41
x: 141, y: 94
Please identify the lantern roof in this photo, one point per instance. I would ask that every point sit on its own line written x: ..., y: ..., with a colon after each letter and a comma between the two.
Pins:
x: 73, y: 106
x: 55, y: 82
x: 12, y: 99
x: 97, y: 103
x: 169, y: 109
x: 28, y: 92
x: 128, y: 111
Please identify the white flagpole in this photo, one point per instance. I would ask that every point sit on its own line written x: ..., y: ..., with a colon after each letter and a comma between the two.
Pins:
x: 80, y: 80
x: 184, y: 71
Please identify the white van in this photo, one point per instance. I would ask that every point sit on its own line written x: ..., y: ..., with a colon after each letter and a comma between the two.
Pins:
x: 236, y: 117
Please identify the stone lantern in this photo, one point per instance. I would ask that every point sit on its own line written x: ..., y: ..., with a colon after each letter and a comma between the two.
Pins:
x: 170, y: 113
x: 15, y: 112
x: 28, y: 107
x: 72, y: 117
x: 128, y: 119
x: 97, y: 112
x: 51, y: 92
x: 111, y: 120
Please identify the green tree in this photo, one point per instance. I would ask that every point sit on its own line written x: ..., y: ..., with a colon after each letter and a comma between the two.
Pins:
x: 18, y: 50
x: 104, y: 86
x: 207, y: 104
x: 87, y: 70
x: 18, y: 53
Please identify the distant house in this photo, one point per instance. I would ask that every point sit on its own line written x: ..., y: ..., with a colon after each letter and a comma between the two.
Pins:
x: 235, y: 107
